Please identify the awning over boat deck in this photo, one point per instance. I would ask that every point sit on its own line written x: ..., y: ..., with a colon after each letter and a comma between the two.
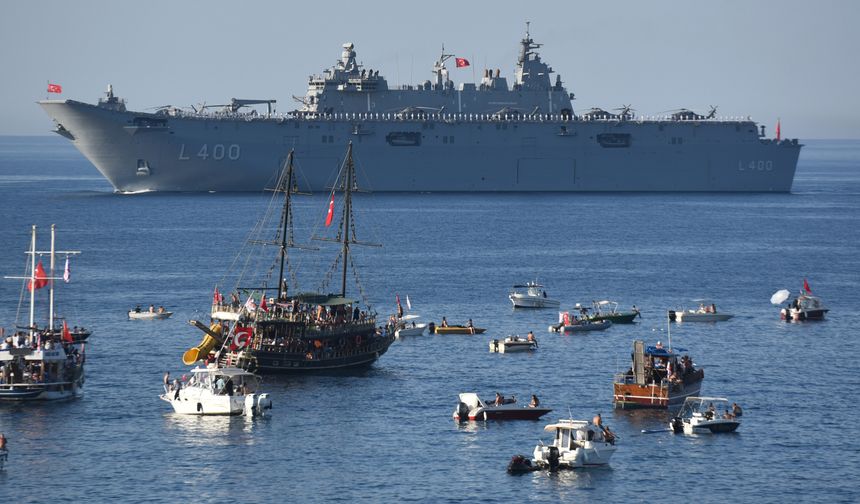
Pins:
x: 322, y: 299
x: 663, y: 352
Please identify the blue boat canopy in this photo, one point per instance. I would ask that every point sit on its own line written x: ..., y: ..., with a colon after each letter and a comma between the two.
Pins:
x: 663, y: 352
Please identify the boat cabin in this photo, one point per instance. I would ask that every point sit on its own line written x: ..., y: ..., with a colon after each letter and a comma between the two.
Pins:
x: 571, y: 434
x: 224, y: 381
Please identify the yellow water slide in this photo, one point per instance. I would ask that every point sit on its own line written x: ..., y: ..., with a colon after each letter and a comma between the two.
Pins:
x: 210, y: 341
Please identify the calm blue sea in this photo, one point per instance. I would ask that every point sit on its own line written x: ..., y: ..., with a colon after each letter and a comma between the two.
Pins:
x: 386, y: 434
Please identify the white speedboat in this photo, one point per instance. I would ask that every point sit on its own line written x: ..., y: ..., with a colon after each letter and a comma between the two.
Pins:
x: 705, y: 415
x: 217, y: 391
x: 471, y: 407
x: 406, y: 326
x: 148, y: 315
x: 513, y: 344
x: 577, y: 443
x: 706, y: 312
x: 804, y: 307
x: 531, y: 295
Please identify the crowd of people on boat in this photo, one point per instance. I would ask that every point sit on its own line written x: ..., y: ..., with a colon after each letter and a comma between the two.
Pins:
x: 151, y: 309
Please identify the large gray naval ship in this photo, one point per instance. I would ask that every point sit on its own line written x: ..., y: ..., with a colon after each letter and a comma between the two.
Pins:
x: 434, y: 136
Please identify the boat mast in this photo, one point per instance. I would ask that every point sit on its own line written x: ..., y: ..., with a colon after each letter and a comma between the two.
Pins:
x: 288, y: 184
x: 347, y: 212
x: 32, y: 280
x: 51, y: 296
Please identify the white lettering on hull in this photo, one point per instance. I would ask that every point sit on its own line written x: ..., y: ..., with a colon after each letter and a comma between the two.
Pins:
x: 217, y: 152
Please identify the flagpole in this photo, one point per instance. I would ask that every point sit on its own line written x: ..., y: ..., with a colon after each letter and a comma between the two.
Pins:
x: 32, y: 279
x: 51, y: 295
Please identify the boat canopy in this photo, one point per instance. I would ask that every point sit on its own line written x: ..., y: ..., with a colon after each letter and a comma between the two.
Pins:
x: 662, y: 352
x: 322, y: 299
x: 226, y: 371
x: 566, y: 425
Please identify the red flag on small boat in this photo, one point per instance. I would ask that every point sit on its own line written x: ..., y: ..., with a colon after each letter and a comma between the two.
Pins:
x: 461, y: 62
x: 55, y: 88
x: 330, y: 214
x: 41, y: 278
x: 67, y: 335
x: 263, y: 305
x: 778, y: 132
x: 806, y: 287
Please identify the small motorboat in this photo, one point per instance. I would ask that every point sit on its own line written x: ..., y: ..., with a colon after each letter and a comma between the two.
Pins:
x: 217, y: 391
x: 471, y: 407
x: 459, y: 329
x: 608, y: 310
x: 514, y: 344
x: 705, y: 415
x: 406, y: 326
x: 706, y: 312
x: 531, y: 295
x: 577, y: 444
x: 571, y: 323
x: 804, y: 307
x: 151, y: 314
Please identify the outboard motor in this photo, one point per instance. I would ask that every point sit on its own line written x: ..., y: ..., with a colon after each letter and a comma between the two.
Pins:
x: 520, y: 464
x: 431, y: 327
x: 256, y: 405
x: 462, y: 411
x: 672, y: 315
x: 552, y: 458
x: 677, y: 425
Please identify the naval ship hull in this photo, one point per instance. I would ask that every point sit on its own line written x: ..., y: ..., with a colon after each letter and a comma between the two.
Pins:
x: 140, y: 152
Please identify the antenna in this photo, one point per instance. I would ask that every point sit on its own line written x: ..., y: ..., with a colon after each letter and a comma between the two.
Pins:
x: 669, y: 330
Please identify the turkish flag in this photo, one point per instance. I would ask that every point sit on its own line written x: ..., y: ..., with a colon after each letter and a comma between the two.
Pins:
x: 67, y: 335
x: 461, y: 62
x: 806, y: 287
x: 41, y: 278
x: 330, y: 214
x: 778, y: 132
x: 55, y: 88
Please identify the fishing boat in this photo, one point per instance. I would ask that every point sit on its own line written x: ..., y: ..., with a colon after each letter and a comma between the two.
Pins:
x: 42, y: 363
x: 706, y: 312
x: 471, y: 407
x: 214, y: 390
x: 151, y: 314
x: 514, y: 344
x: 302, y: 331
x: 531, y: 295
x: 705, y: 415
x: 657, y: 378
x: 608, y: 310
x: 576, y: 444
x: 804, y: 306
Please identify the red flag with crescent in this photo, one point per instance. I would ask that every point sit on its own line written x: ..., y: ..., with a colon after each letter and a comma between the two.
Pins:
x: 41, y: 279
x: 806, y: 287
x: 55, y: 88
x: 330, y: 213
x: 461, y: 62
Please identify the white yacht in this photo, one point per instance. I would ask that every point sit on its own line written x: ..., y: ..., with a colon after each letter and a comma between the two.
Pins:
x: 531, y: 295
x: 577, y: 443
x: 217, y: 391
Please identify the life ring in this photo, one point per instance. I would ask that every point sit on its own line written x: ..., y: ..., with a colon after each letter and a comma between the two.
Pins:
x: 240, y: 341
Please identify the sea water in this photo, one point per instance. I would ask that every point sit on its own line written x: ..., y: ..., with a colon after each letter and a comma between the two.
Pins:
x: 386, y: 434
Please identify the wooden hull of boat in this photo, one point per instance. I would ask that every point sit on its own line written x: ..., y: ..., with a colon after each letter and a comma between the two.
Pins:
x: 39, y: 392
x: 459, y: 330
x: 656, y: 396
x: 272, y: 359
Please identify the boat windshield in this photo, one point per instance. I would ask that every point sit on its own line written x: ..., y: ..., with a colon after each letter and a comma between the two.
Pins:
x: 703, y: 406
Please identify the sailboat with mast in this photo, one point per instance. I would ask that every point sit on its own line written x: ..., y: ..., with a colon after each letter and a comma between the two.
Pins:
x: 42, y: 363
x: 301, y: 331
